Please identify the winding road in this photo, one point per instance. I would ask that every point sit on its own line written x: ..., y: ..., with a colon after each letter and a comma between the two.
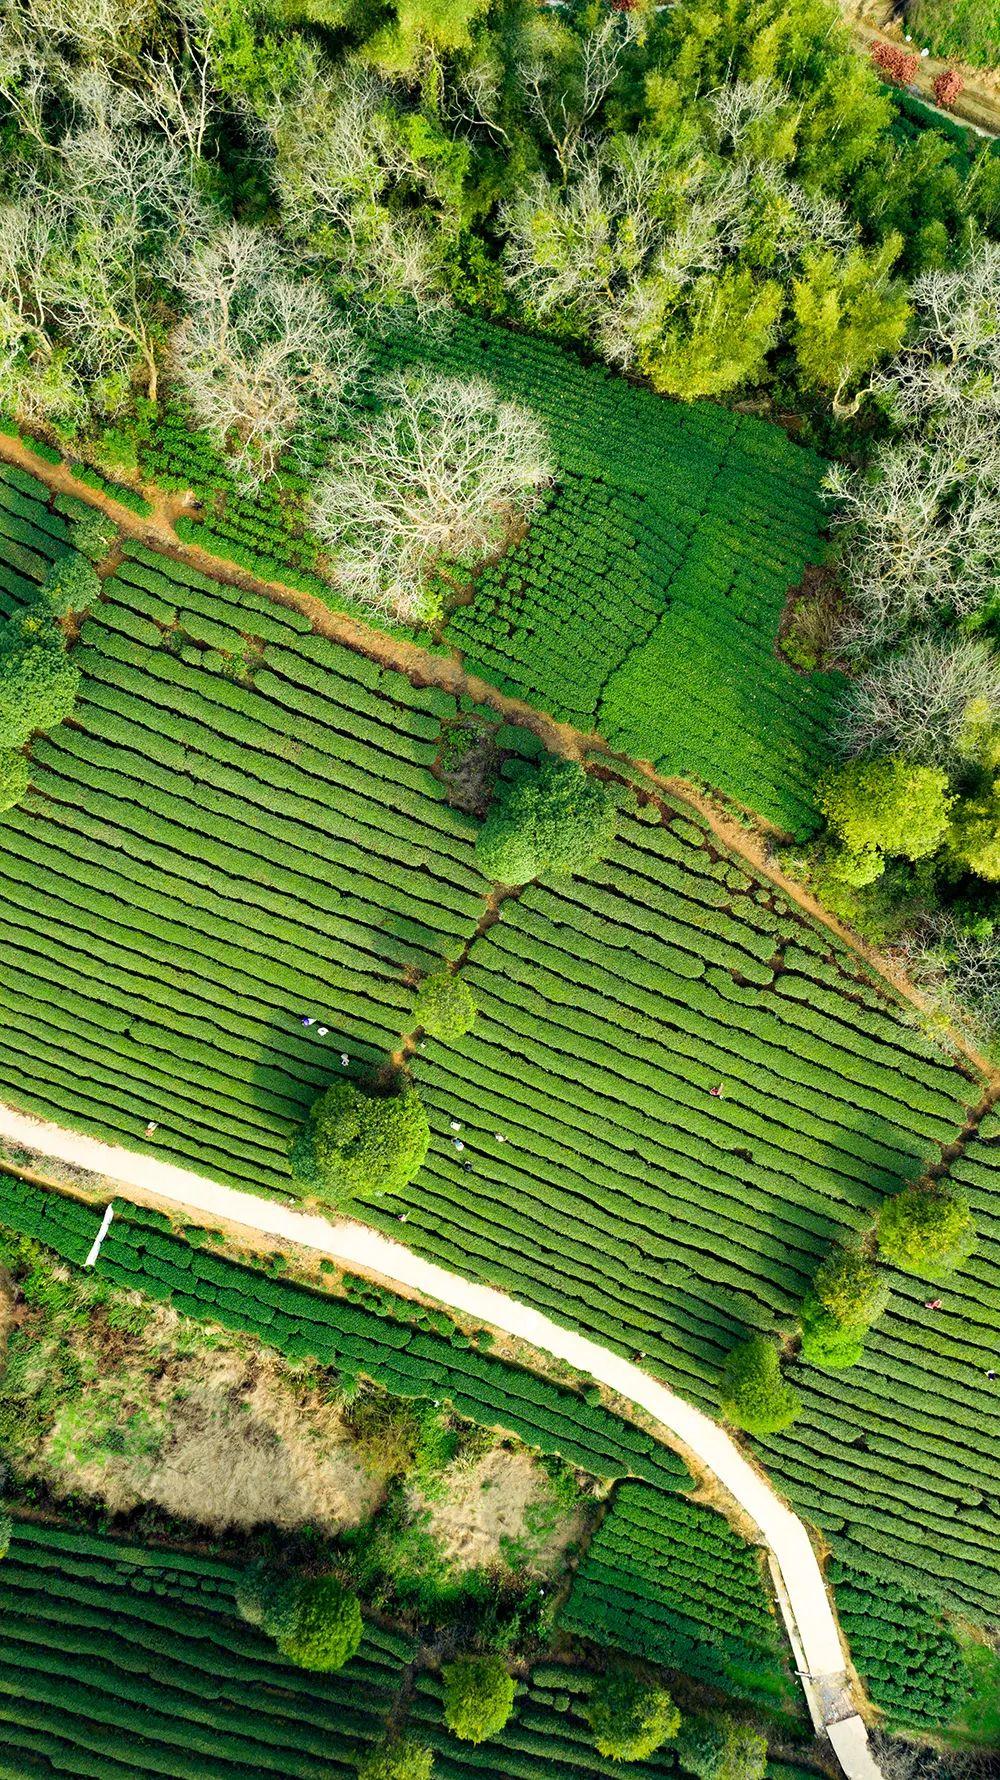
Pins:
x: 802, y: 1592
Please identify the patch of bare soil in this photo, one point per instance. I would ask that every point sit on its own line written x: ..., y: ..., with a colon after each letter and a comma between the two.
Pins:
x: 499, y: 1512
x: 214, y: 1435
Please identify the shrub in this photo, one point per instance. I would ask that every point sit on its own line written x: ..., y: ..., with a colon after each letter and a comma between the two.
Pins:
x: 881, y: 806
x: 553, y: 819
x: 15, y: 774
x: 478, y: 1697
x: 896, y: 65
x: 753, y: 1395
x: 721, y: 1748
x: 948, y: 85
x: 631, y: 1714
x: 70, y: 585
x: 258, y: 1592
x: 405, y: 1760
x: 444, y: 1006
x: 314, y: 1620
x: 6, y: 1532
x: 38, y: 684
x: 845, y: 1299
x: 926, y: 1231
x: 355, y: 1143
x: 93, y: 533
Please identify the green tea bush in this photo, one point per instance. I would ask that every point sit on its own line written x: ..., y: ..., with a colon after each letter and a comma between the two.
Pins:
x: 6, y: 1532
x: 444, y: 1006
x: 928, y: 1231
x: 631, y: 1714
x: 478, y: 1697
x: 753, y: 1395
x: 355, y: 1143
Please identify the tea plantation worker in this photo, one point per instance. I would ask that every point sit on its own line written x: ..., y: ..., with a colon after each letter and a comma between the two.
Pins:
x: 322, y: 1030
x: 344, y: 1058
x: 933, y: 1304
x: 308, y: 1019
x: 991, y: 1374
x: 151, y: 1127
x: 716, y: 1093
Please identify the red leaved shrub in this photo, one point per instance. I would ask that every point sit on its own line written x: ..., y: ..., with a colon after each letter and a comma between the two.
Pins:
x: 894, y: 63
x: 947, y: 86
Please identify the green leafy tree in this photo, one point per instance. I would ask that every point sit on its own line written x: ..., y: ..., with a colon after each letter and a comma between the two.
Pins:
x: 847, y: 1296
x: 718, y: 340
x: 38, y: 681
x: 926, y: 1231
x: 403, y: 1760
x: 6, y: 1532
x: 631, y: 1714
x: 15, y: 775
x: 315, y: 1622
x: 553, y: 819
x: 880, y: 807
x: 753, y: 1395
x: 444, y: 1006
x: 848, y: 315
x: 478, y: 1697
x: 355, y: 1143
x: 93, y: 533
x: 70, y: 585
x: 717, y: 1747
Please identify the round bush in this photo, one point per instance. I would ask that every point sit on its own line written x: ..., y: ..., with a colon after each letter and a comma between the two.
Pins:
x: 478, y: 1697
x: 553, y: 819
x: 845, y: 1299
x: 15, y: 776
x: 38, y: 688
x: 405, y: 1760
x: 315, y: 1622
x: 753, y: 1395
x: 70, y: 585
x: 258, y: 1593
x: 827, y: 1343
x: 631, y: 1714
x: 721, y: 1748
x: 355, y: 1143
x: 926, y: 1231
x: 444, y: 1006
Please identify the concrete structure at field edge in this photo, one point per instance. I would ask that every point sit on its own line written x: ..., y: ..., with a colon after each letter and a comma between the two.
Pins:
x: 802, y: 1593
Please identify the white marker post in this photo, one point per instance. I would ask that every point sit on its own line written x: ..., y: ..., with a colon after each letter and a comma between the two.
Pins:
x: 95, y: 1247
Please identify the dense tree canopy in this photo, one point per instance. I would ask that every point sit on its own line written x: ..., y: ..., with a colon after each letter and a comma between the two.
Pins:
x: 752, y: 1393
x: 553, y: 818
x: 354, y: 1143
x: 631, y: 1714
x: 478, y: 1697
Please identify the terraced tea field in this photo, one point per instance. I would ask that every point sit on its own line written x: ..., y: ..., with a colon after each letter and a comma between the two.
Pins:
x: 240, y: 827
x: 646, y: 597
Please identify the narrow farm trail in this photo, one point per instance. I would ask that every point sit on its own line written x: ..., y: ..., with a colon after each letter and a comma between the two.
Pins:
x: 809, y: 1614
x: 423, y: 668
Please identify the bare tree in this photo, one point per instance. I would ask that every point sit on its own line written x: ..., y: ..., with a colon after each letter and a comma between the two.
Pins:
x: 920, y: 701
x: 953, y: 361
x: 437, y: 474
x: 565, y: 98
x: 260, y: 357
x: 337, y: 159
x: 923, y: 530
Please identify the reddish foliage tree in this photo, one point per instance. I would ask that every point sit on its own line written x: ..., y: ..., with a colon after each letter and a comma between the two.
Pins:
x: 947, y: 86
x: 894, y: 63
